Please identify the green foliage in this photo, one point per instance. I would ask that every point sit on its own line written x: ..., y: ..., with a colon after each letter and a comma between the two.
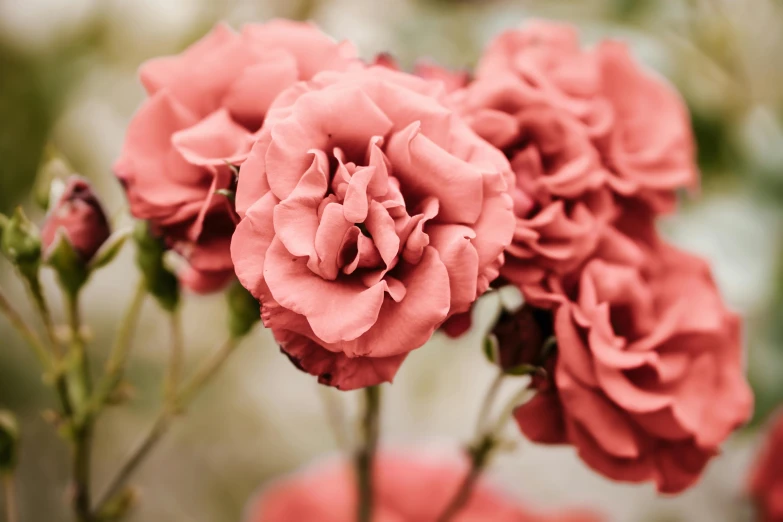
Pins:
x: 161, y: 282
x: 243, y: 310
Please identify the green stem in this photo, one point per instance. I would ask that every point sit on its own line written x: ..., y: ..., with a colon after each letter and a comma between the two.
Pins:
x: 481, y: 450
x: 25, y: 331
x: 365, y: 455
x: 34, y: 289
x: 9, y: 491
x: 118, y: 357
x: 81, y: 380
x: 162, y: 422
x: 175, y: 357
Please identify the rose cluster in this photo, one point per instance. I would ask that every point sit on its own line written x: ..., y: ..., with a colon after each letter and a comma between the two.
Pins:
x: 366, y: 207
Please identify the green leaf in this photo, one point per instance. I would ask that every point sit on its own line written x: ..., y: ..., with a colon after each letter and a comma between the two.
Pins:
x: 522, y: 369
x: 491, y: 349
x: 21, y: 242
x: 71, y: 270
x: 110, y: 248
x: 230, y: 194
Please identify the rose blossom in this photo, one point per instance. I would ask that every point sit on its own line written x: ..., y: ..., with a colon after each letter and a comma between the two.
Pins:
x: 79, y: 216
x: 555, y: 161
x: 408, y: 488
x: 648, y: 379
x: 203, y: 109
x: 637, y: 120
x: 765, y: 484
x: 371, y: 213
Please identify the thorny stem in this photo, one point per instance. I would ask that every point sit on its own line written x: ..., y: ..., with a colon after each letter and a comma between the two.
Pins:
x: 174, y: 405
x: 365, y: 454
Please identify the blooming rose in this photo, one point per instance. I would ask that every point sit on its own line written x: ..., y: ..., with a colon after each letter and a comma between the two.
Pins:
x: 79, y: 216
x: 765, y: 483
x: 371, y: 213
x: 408, y: 488
x: 203, y: 109
x: 648, y: 380
x: 555, y: 161
x: 637, y: 120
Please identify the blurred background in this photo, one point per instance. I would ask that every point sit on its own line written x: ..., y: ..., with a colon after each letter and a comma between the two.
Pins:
x: 68, y: 80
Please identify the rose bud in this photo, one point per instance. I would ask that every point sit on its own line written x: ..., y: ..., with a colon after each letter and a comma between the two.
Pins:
x: 522, y: 337
x: 80, y: 217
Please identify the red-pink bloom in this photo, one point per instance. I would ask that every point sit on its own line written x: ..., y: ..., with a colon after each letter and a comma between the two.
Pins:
x: 637, y: 120
x: 648, y: 379
x: 371, y: 213
x: 79, y: 216
x: 204, y: 107
x: 408, y: 488
x: 765, y: 484
x: 586, y: 131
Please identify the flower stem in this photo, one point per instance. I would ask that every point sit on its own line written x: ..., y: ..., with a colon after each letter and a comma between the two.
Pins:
x: 81, y: 380
x: 175, y: 357
x: 115, y: 365
x: 365, y: 455
x: 27, y: 333
x: 481, y: 450
x: 176, y: 403
x: 9, y: 491
x: 479, y: 457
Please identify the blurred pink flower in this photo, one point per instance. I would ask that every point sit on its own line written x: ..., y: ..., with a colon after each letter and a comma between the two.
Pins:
x: 408, y: 488
x: 204, y: 107
x: 80, y: 217
x: 371, y: 213
x: 765, y: 483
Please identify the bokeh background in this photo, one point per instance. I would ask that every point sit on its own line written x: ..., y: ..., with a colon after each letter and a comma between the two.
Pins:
x: 68, y: 82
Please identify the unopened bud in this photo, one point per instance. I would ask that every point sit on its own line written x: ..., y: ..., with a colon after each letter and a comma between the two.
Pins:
x: 77, y: 217
x: 243, y: 310
x: 161, y: 282
x: 521, y: 338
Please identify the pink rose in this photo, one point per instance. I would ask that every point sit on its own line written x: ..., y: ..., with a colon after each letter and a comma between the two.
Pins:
x: 408, y: 488
x: 204, y: 107
x: 371, y: 213
x: 555, y: 161
x: 79, y: 216
x: 637, y: 121
x: 765, y: 484
x: 648, y: 380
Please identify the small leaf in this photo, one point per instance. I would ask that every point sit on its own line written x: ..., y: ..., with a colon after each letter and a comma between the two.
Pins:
x: 521, y: 369
x: 243, y: 310
x: 21, y: 241
x: 491, y: 349
x: 71, y: 271
x: 109, y: 249
x: 230, y: 194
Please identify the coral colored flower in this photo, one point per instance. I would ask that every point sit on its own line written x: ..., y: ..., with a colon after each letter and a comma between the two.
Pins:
x: 587, y: 133
x: 408, y: 488
x: 371, y: 213
x: 637, y: 120
x: 765, y: 484
x: 79, y: 216
x: 204, y: 107
x: 648, y: 378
